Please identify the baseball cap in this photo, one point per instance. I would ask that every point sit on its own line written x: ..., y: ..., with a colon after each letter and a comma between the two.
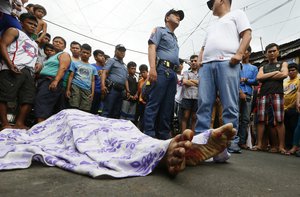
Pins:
x: 172, y: 11
x: 120, y: 47
x: 210, y: 4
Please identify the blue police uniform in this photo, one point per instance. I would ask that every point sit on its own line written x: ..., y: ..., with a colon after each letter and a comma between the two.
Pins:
x: 117, y: 76
x: 159, y: 108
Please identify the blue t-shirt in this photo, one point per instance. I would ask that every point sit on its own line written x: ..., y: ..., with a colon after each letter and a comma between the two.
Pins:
x: 117, y: 71
x: 83, y: 74
x: 98, y: 78
x: 166, y: 43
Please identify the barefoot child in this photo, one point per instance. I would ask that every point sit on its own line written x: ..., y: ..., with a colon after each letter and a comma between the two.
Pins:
x: 39, y: 12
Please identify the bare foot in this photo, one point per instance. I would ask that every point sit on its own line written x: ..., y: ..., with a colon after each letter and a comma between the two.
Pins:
x: 175, y: 156
x: 6, y: 127
x: 217, y: 142
x: 20, y: 126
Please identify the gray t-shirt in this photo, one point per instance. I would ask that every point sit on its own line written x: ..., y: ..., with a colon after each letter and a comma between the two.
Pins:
x: 190, y: 92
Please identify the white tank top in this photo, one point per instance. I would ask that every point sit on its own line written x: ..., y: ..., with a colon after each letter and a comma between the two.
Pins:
x: 22, y: 52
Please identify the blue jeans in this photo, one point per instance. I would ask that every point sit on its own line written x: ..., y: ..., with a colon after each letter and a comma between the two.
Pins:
x: 245, y: 107
x: 112, y: 104
x: 160, y: 105
x: 218, y: 76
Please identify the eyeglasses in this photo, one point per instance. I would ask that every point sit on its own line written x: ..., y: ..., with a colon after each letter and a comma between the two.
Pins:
x: 193, y: 60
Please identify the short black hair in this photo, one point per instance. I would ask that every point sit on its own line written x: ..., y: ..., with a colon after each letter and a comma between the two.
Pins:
x: 131, y: 64
x: 181, y: 61
x: 48, y: 45
x: 29, y: 5
x: 193, y: 56
x: 75, y: 43
x: 29, y: 16
x: 98, y: 51
x: 271, y: 46
x: 293, y: 65
x: 106, y: 56
x: 86, y: 47
x: 39, y: 7
x: 59, y: 37
x: 143, y: 67
x: 47, y: 34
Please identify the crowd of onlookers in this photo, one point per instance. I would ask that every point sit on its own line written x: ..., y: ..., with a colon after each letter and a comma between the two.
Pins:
x: 43, y: 79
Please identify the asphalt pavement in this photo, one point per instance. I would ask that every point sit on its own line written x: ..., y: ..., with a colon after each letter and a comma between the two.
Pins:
x: 247, y: 174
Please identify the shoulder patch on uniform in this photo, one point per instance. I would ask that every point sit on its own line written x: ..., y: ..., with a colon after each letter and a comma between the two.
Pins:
x: 154, y: 30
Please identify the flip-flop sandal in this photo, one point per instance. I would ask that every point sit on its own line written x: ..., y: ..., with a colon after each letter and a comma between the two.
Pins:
x: 283, y: 151
x: 256, y: 148
x: 245, y: 147
x: 273, y: 150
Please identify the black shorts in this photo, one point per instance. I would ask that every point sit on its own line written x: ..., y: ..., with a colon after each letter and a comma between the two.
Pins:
x: 47, y: 101
x: 190, y: 104
x: 20, y: 87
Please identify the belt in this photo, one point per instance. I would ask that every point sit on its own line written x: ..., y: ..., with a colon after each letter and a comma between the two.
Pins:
x: 167, y: 64
x: 46, y: 77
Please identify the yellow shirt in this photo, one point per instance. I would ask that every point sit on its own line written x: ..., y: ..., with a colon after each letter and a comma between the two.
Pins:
x: 290, y: 88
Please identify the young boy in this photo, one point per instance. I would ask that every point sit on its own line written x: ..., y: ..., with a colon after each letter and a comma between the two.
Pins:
x: 129, y: 105
x: 39, y: 12
x: 49, y: 50
x: 141, y: 103
x: 100, y: 63
x: 81, y: 83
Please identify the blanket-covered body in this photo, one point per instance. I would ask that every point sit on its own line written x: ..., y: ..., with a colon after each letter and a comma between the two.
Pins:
x: 83, y: 143
x: 86, y: 144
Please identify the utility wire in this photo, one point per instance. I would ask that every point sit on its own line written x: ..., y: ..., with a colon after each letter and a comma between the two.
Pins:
x: 95, y: 39
x: 247, y: 7
x: 270, y: 25
x: 195, y: 29
x: 285, y: 23
x: 270, y: 11
x: 132, y: 23
x: 87, y: 22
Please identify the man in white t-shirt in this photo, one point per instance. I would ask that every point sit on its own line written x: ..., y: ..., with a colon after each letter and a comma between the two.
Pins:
x: 226, y: 41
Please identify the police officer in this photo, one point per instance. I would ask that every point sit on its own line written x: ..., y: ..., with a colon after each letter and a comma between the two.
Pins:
x: 113, y: 83
x: 163, y: 58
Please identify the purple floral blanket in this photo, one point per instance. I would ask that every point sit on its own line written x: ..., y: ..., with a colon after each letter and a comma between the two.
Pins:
x: 83, y: 143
